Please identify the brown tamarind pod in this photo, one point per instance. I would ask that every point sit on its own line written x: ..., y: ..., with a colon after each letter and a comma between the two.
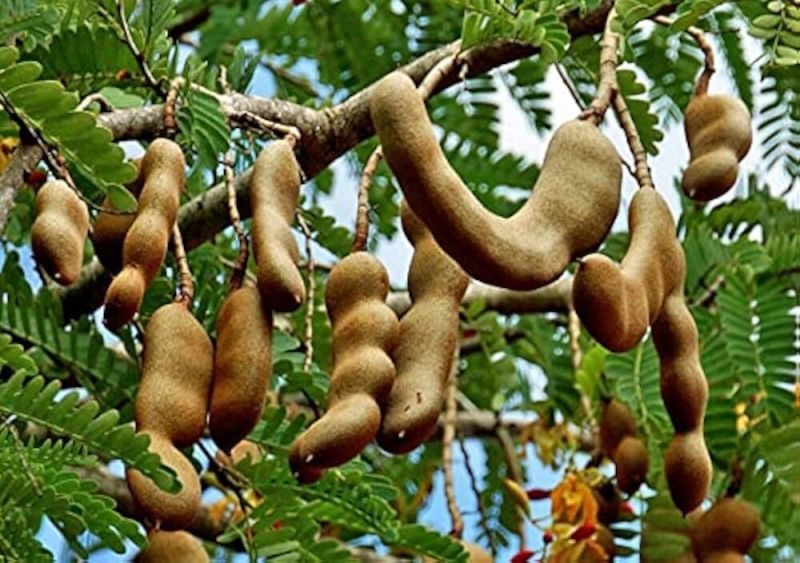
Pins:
x: 364, y: 334
x: 726, y: 532
x: 618, y: 302
x: 719, y: 134
x: 427, y: 341
x: 110, y: 229
x: 242, y: 366
x: 171, y: 511
x: 172, y: 400
x: 274, y: 190
x: 569, y: 214
x: 59, y: 231
x: 172, y: 547
x: 145, y: 246
x: 620, y: 443
x: 684, y: 390
x: 609, y: 503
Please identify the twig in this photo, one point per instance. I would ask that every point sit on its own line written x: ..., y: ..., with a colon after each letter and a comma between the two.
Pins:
x: 362, y: 213
x: 170, y: 125
x: 140, y: 60
x: 241, y: 260
x: 101, y: 100
x: 608, y: 73
x: 642, y: 170
x: 514, y: 471
x: 185, y: 285
x: 252, y: 121
x: 709, y: 65
x: 447, y: 452
x: 308, y: 338
x: 473, y: 482
x: 574, y: 329
x: 570, y: 87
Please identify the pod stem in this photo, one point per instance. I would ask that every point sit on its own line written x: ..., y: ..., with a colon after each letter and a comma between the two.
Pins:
x: 641, y: 169
x: 709, y: 65
x: 607, y: 85
x: 425, y: 89
x: 308, y: 338
x: 170, y: 103
x: 448, y: 435
x: 240, y: 265
x: 185, y: 284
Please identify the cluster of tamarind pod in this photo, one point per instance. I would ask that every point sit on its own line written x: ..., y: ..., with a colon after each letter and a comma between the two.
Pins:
x: 619, y: 441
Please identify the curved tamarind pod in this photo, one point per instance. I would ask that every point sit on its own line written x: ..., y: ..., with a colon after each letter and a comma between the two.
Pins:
x: 145, y: 246
x: 110, y: 229
x: 364, y: 334
x: 274, y: 190
x: 579, y: 185
x: 619, y: 442
x: 726, y: 532
x: 242, y: 367
x: 684, y: 390
x: 59, y: 231
x: 173, y: 512
x: 172, y: 547
x: 719, y: 134
x: 428, y: 338
x: 617, y: 303
x: 176, y: 376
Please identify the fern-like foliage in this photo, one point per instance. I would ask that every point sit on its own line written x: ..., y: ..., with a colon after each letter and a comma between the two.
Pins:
x: 27, y: 20
x: 664, y: 531
x: 203, y: 126
x: 46, y: 107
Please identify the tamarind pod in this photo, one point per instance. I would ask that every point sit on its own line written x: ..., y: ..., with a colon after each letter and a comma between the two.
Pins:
x: 618, y: 302
x: 110, y: 228
x: 609, y: 503
x: 176, y: 376
x: 579, y: 184
x: 172, y: 547
x: 687, y: 466
x: 242, y: 367
x: 364, y: 334
x: 173, y: 512
x: 145, y: 246
x: 616, y: 422
x: 632, y: 461
x: 428, y: 336
x: 59, y: 231
x: 274, y: 190
x: 719, y: 134
x: 726, y: 532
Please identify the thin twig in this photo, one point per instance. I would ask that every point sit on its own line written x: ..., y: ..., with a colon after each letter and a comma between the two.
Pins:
x: 608, y: 73
x: 185, y: 285
x: 473, y: 482
x: 241, y: 260
x: 709, y: 65
x: 308, y: 337
x: 138, y: 55
x: 170, y: 104
x: 101, y: 100
x: 570, y: 87
x: 447, y: 452
x: 253, y: 121
x: 362, y: 213
x: 574, y: 329
x: 514, y: 472
x: 642, y: 170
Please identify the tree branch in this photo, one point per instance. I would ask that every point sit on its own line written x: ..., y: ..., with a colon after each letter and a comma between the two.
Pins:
x: 23, y: 160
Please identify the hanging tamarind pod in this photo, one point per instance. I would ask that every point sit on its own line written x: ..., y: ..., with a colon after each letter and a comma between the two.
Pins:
x: 59, y: 231
x: 110, y: 229
x: 618, y: 302
x: 364, y: 334
x: 274, y: 190
x: 428, y: 337
x: 145, y: 246
x: 242, y: 366
x: 569, y: 214
x: 726, y: 532
x: 172, y: 547
x: 619, y: 441
x: 719, y: 133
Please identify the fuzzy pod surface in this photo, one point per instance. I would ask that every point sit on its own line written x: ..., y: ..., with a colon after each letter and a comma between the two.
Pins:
x: 172, y: 547
x: 719, y: 133
x: 619, y: 441
x: 364, y: 334
x: 569, y: 214
x: 684, y: 390
x: 147, y: 239
x: 173, y: 394
x: 427, y: 341
x: 59, y: 231
x: 110, y: 228
x: 171, y: 511
x: 242, y: 366
x: 726, y: 532
x: 274, y: 190
x: 618, y: 302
